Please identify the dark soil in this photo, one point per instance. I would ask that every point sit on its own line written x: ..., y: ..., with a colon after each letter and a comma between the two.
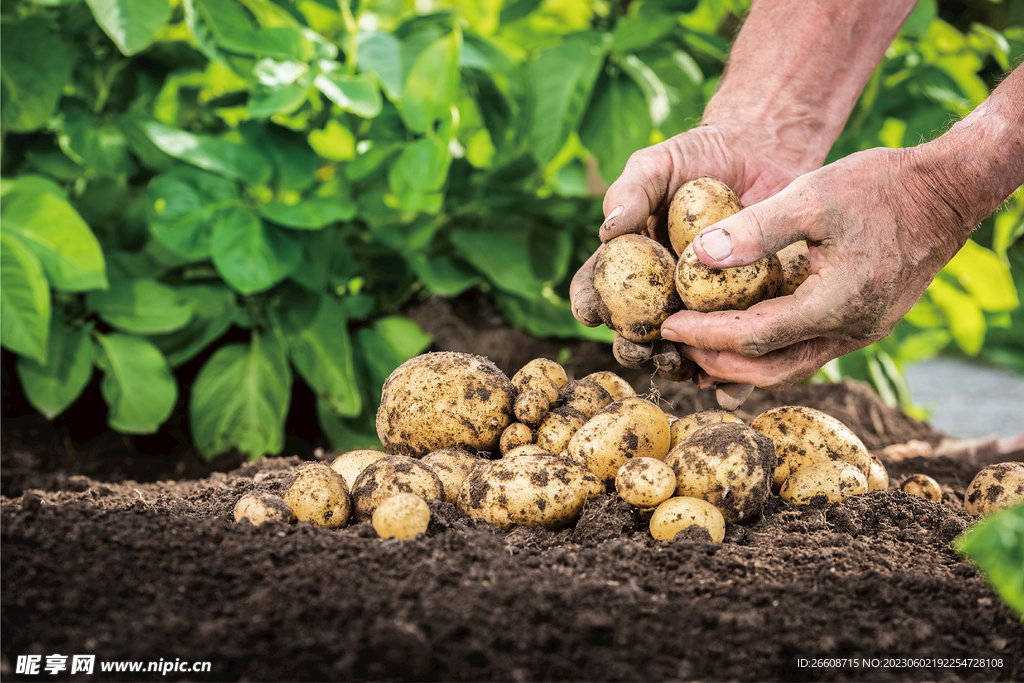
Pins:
x: 127, y: 550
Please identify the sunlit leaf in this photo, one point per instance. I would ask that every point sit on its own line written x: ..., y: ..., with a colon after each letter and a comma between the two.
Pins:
x: 616, y: 124
x: 143, y: 306
x: 24, y: 300
x: 131, y: 24
x: 432, y: 84
x: 53, y: 386
x: 137, y: 385
x: 250, y: 255
x: 34, y: 67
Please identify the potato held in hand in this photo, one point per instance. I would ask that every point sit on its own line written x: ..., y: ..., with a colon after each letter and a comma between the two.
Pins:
x: 634, y: 276
x: 696, y: 205
x: 705, y: 288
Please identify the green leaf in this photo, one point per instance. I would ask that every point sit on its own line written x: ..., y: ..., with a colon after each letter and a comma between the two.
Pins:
x: 920, y: 19
x: 317, y: 332
x: 143, y: 306
x: 310, y: 214
x: 280, y: 42
x: 52, y: 387
x: 29, y: 182
x: 996, y: 545
x: 616, y: 124
x: 24, y: 300
x: 548, y: 316
x: 514, y: 10
x: 34, y: 67
x: 357, y: 94
x: 250, y: 255
x: 240, y: 399
x: 503, y: 255
x: 423, y: 166
x: 563, y: 77
x: 64, y: 244
x: 644, y: 25
x: 380, y: 54
x: 965, y: 319
x: 213, y: 312
x: 294, y: 162
x: 131, y: 24
x: 94, y: 144
x: 280, y: 88
x: 431, y: 87
x: 985, y: 277
x: 405, y: 336
x: 347, y: 435
x: 443, y: 275
x: 185, y: 203
x: 218, y: 156
x: 137, y: 384
x: 334, y: 142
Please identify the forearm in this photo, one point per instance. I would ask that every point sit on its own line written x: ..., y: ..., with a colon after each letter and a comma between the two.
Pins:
x: 797, y: 68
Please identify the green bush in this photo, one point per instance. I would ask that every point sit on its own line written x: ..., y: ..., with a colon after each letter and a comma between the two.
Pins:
x: 179, y: 176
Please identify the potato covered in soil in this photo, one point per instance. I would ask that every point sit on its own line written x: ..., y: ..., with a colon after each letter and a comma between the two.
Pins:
x: 452, y: 466
x: 645, y: 482
x: 997, y: 486
x: 878, y: 476
x: 586, y: 396
x: 922, y: 486
x: 558, y: 428
x: 633, y: 275
x: 727, y: 464
x: 402, y: 516
x: 351, y: 463
x: 445, y: 400
x: 629, y: 428
x: 830, y: 481
x: 706, y: 288
x: 683, y: 427
x: 680, y: 513
x: 258, y: 507
x: 804, y: 436
x: 515, y: 435
x: 390, y: 476
x: 615, y: 385
x: 796, y: 267
x: 540, y: 491
x: 696, y: 205
x: 315, y: 493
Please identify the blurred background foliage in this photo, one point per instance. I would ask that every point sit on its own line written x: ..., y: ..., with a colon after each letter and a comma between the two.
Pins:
x: 258, y: 187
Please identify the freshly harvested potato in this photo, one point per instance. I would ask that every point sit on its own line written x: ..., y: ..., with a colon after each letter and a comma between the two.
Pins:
x: 676, y: 514
x: 545, y: 491
x: 696, y: 205
x: 682, y: 427
x: 445, y: 400
x: 994, y: 488
x: 804, y: 436
x: 796, y: 267
x: 586, y: 396
x: 558, y: 427
x: 316, y: 493
x: 645, y: 482
x: 832, y: 480
x: 878, y: 476
x: 452, y: 466
x: 259, y: 506
x: 350, y: 464
x: 402, y: 516
x: 532, y: 404
x: 922, y: 486
x: 515, y: 435
x: 544, y: 367
x: 629, y: 428
x: 615, y: 386
x: 706, y: 288
x: 633, y: 275
x: 528, y: 449
x: 391, y: 475
x: 727, y: 464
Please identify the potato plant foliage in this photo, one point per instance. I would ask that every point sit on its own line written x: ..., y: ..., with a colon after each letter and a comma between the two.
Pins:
x: 259, y: 186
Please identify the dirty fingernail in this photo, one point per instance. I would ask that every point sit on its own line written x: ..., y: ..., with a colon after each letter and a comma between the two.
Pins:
x: 616, y: 212
x: 717, y: 243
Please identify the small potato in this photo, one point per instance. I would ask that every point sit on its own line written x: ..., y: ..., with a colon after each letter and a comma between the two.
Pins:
x: 586, y: 396
x: 696, y: 205
x: 532, y: 405
x: 922, y: 486
x: 878, y: 476
x: 705, y: 288
x: 796, y: 267
x: 389, y: 476
x: 629, y: 428
x: 804, y: 436
x: 515, y: 435
x: 645, y: 482
x: 832, y: 480
x: 544, y: 367
x: 258, y: 507
x: 615, y: 386
x: 996, y: 487
x: 633, y: 275
x: 540, y: 491
x: 727, y: 464
x: 350, y: 464
x: 452, y: 466
x: 682, y: 427
x: 316, y: 493
x: 402, y: 516
x: 676, y: 514
x: 558, y: 428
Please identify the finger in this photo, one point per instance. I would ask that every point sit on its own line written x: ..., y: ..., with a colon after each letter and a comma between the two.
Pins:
x: 775, y: 370
x: 586, y: 302
x: 637, y: 194
x: 731, y: 396
x: 631, y: 354
x: 670, y: 364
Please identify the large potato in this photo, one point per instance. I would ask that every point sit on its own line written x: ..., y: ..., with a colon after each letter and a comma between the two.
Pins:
x: 445, y: 400
x: 682, y: 427
x: 545, y: 491
x: 315, y: 493
x: 558, y: 427
x: 389, y: 476
x: 727, y: 464
x: 629, y: 428
x: 995, y: 487
x: 681, y: 512
x: 633, y: 275
x: 452, y: 466
x: 351, y: 463
x: 696, y: 205
x: 804, y: 436
x: 831, y: 481
x: 706, y: 288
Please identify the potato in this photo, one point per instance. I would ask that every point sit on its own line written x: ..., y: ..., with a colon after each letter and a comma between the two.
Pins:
x: 682, y: 427
x: 804, y: 436
x: 727, y: 464
x: 832, y: 480
x: 922, y: 486
x: 258, y: 507
x: 389, y: 476
x: 316, y: 493
x: 452, y: 466
x: 402, y: 516
x: 615, y: 386
x: 350, y: 464
x: 706, y: 288
x: 532, y: 405
x: 679, y: 513
x: 586, y: 396
x: 878, y: 476
x: 515, y: 435
x: 543, y: 367
x: 528, y: 449
x: 629, y: 428
x: 445, y: 400
x: 796, y: 267
x: 545, y: 491
x: 997, y: 486
x: 696, y: 205
x: 633, y: 275
x: 558, y: 427
x: 645, y: 482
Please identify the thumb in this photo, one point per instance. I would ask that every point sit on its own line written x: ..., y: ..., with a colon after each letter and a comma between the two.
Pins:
x: 632, y: 201
x: 753, y: 233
